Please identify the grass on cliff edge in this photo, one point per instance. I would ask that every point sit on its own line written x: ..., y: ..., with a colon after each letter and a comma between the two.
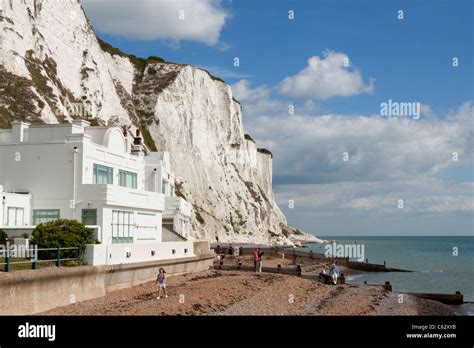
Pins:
x: 134, y: 59
x: 141, y: 63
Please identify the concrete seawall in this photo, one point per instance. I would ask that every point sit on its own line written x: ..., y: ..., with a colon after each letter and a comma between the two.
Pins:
x: 30, y: 292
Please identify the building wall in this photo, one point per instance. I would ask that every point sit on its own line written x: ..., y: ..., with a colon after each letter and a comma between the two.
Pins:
x: 49, y: 171
x: 38, y: 168
x: 140, y: 235
x: 111, y: 157
x: 158, y: 172
x: 169, y: 236
x: 111, y: 254
x: 10, y: 200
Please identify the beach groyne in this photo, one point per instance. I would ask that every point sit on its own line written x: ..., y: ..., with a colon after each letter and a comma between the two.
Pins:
x: 450, y: 299
x: 342, y: 261
x: 305, y: 256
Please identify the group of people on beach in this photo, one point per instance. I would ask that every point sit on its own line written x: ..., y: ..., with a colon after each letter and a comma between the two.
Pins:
x: 328, y: 277
x: 331, y: 276
x: 257, y: 256
x: 221, y: 253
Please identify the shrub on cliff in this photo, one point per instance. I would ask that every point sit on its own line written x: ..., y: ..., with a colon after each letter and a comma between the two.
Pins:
x: 65, y: 233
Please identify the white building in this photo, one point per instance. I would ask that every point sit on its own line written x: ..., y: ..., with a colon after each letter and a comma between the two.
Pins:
x: 160, y: 178
x: 97, y: 175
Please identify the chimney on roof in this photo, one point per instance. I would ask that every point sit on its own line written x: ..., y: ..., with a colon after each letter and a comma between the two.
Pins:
x: 137, y: 147
x: 138, y: 138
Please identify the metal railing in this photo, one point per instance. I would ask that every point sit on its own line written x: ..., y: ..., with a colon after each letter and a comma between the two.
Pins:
x: 34, y: 260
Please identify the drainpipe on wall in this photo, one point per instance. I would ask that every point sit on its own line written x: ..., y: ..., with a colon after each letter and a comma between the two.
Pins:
x: 3, y: 210
x: 73, y: 205
x: 154, y: 180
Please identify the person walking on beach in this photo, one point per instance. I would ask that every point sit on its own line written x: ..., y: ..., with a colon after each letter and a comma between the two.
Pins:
x: 256, y: 260
x: 260, y: 261
x: 334, y: 273
x: 161, y: 283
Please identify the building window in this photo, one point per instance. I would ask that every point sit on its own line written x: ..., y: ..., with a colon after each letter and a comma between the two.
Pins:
x: 15, y: 216
x: 103, y: 175
x: 43, y: 216
x: 122, y: 226
x: 163, y: 186
x: 171, y: 190
x: 89, y: 217
x: 127, y: 179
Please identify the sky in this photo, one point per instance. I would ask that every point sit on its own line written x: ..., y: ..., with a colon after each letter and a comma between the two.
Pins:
x: 320, y: 82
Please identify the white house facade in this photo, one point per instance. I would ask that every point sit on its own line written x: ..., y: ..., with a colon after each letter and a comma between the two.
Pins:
x: 160, y: 178
x: 96, y: 175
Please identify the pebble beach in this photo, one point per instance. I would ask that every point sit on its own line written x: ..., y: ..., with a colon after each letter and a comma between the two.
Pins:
x: 237, y: 293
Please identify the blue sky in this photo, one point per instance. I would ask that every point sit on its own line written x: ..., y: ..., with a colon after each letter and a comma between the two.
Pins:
x: 409, y: 58
x: 338, y: 108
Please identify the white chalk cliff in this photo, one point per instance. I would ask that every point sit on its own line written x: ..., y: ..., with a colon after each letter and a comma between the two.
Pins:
x: 54, y: 69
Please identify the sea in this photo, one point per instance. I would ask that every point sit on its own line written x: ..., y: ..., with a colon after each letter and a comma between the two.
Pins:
x: 440, y: 264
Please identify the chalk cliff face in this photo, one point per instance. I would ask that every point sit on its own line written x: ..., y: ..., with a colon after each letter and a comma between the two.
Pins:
x: 54, y: 69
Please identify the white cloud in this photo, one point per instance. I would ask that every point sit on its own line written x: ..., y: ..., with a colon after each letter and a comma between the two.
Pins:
x: 427, y: 196
x: 244, y: 92
x: 326, y: 77
x: 257, y: 101
x: 160, y: 19
x: 311, y: 149
x: 389, y: 159
x: 225, y: 73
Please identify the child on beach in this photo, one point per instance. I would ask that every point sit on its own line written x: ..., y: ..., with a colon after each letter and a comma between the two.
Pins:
x: 161, y: 283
